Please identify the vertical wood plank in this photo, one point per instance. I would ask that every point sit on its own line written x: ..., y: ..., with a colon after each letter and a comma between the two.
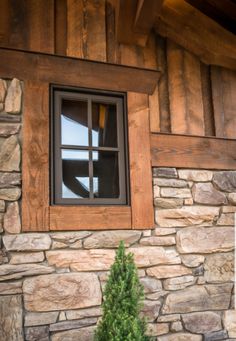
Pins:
x: 217, y: 95
x: 75, y: 29
x: 35, y: 200
x: 112, y: 47
x: 140, y: 161
x: 4, y: 22
x: 60, y: 27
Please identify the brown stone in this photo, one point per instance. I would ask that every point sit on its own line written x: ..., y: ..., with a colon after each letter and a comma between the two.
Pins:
x: 83, y: 313
x: 111, y: 239
x: 39, y: 319
x: 195, y: 175
x: 168, y: 271
x: 7, y: 129
x: 37, y: 333
x: 67, y: 325
x: 3, y: 90
x: 10, y: 271
x: 9, y: 179
x: 72, y: 291
x: 83, y: 334
x: 202, y: 322
x: 219, y: 267
x: 147, y: 256
x: 11, y: 317
x: 12, y: 223
x: 225, y: 180
x: 178, y: 283
x: 228, y: 209
x: 226, y: 219
x: 207, y: 297
x: 170, y: 192
x: 27, y: 242
x: 151, y: 310
x: 205, y: 240
x: 187, y: 216
x: 232, y: 198
x: 26, y: 257
x: 180, y: 337
x: 192, y: 260
x: 13, y: 98
x: 176, y: 326
x: 188, y: 201
x: 169, y: 318
x: 9, y: 154
x: 151, y: 284
x: 11, y: 288
x: 205, y: 193
x: 229, y: 320
x: 163, y: 231
x: 155, y: 329
x: 162, y: 182
x: 10, y: 194
x: 168, y: 202
x: 161, y: 241
x: 163, y: 172
x: 2, y: 206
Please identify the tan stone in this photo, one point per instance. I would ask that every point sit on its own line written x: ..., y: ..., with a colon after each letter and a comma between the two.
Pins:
x: 178, y: 283
x: 205, y: 240
x: 147, y: 233
x: 10, y: 271
x: 187, y: 216
x: 205, y: 193
x: 219, y: 267
x: 155, y: 329
x: 83, y: 313
x: 58, y: 245
x: 171, y: 192
x: 162, y: 231
x: 2, y: 206
x: 83, y: 334
x: 195, y: 175
x: 9, y: 154
x: 11, y: 288
x: 176, y: 326
x: 180, y: 337
x: 62, y: 316
x: 162, y: 182
x: 3, y: 90
x: 188, y: 201
x: 39, y: 319
x: 147, y: 256
x: 9, y: 179
x: 67, y: 325
x: 228, y: 209
x: 27, y: 242
x: 12, y: 223
x: 207, y: 297
x: 69, y: 237
x: 72, y: 291
x: 151, y: 310
x: 202, y: 322
x: 192, y: 260
x: 169, y: 318
x: 10, y: 194
x: 151, y: 284
x: 11, y: 316
x: 232, y: 198
x: 26, y: 257
x: 229, y: 319
x: 156, y: 295
x: 226, y: 219
x: 7, y: 129
x: 168, y: 202
x: 111, y: 239
x: 13, y: 98
x: 168, y: 271
x: 162, y: 241
x: 156, y: 192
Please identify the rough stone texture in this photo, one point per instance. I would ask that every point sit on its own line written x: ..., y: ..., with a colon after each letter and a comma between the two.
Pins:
x: 11, y: 317
x: 69, y: 237
x: 192, y: 260
x: 164, y: 241
x: 37, y: 333
x: 38, y: 319
x: 176, y: 326
x: 228, y: 209
x: 230, y: 322
x: 225, y: 181
x: 72, y: 291
x: 168, y: 202
x: 25, y: 257
x: 13, y: 98
x: 151, y: 310
x: 9, y: 154
x: 216, y: 336
x: 27, y: 242
x: 147, y: 256
x: 7, y: 129
x: 83, y: 334
x: 10, y: 194
x: 111, y: 239
x: 170, y: 183
x: 10, y: 271
x: 9, y: 179
x: 165, y: 172
x: 3, y: 90
x: 180, y: 337
x: 155, y: 329
x: 67, y: 325
x: 167, y: 192
x: 202, y: 322
x: 2, y: 206
x: 187, y: 216
x: 232, y: 198
x: 163, y: 231
x: 12, y: 223
x: 207, y: 297
x: 169, y: 318
x: 83, y: 313
x: 178, y: 283
x: 226, y: 219
x: 205, y: 240
x: 195, y: 175
x: 11, y: 288
x: 219, y: 267
x: 168, y: 271
x: 205, y: 193
x: 151, y: 284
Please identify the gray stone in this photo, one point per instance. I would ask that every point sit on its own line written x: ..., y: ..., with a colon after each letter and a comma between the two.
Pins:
x: 10, y: 194
x: 219, y: 267
x: 67, y: 325
x: 216, y: 336
x: 7, y: 129
x: 151, y: 284
x: 111, y: 239
x: 170, y: 192
x: 165, y: 172
x: 168, y: 271
x: 37, y: 333
x: 195, y: 175
x: 83, y: 313
x: 26, y: 257
x: 9, y: 154
x: 230, y: 322
x: 69, y: 237
x: 180, y: 337
x: 83, y: 334
x: 205, y: 193
x: 39, y: 319
x: 13, y: 98
x: 10, y: 271
x: 11, y: 317
x: 168, y: 202
x: 11, y: 288
x: 226, y: 219
x: 12, y: 223
x: 161, y: 241
x: 3, y: 90
x: 162, y: 182
x: 199, y: 271
x: 178, y: 283
x: 151, y: 310
x: 207, y: 297
x: 202, y: 322
x: 72, y: 291
x: 9, y: 179
x: 225, y: 181
x: 205, y: 240
x: 27, y: 242
x: 192, y: 260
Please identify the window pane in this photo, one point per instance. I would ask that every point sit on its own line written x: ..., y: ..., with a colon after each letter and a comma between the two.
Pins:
x: 75, y: 174
x: 104, y: 125
x: 74, y: 123
x: 106, y: 176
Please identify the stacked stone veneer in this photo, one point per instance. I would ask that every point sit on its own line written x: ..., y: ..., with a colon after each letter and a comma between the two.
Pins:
x: 51, y: 283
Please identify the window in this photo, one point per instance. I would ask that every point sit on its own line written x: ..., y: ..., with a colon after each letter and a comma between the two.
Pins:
x: 89, y: 161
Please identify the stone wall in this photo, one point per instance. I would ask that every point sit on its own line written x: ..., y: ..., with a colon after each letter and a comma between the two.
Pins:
x: 51, y: 283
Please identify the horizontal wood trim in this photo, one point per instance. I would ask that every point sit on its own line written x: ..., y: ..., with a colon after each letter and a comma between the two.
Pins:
x: 169, y: 150
x: 75, y: 72
x: 89, y: 217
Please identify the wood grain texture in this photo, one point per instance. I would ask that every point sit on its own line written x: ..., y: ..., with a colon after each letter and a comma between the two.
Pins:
x: 60, y: 27
x: 89, y: 217
x: 35, y: 182
x: 76, y: 72
x: 140, y: 162
x: 112, y: 46
x: 192, y: 152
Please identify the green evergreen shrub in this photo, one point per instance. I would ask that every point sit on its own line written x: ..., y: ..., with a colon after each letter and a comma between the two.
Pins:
x: 123, y: 298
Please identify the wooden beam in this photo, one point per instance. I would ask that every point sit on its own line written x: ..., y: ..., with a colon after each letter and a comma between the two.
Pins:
x: 75, y: 72
x: 199, y: 34
x: 146, y: 14
x: 192, y: 152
